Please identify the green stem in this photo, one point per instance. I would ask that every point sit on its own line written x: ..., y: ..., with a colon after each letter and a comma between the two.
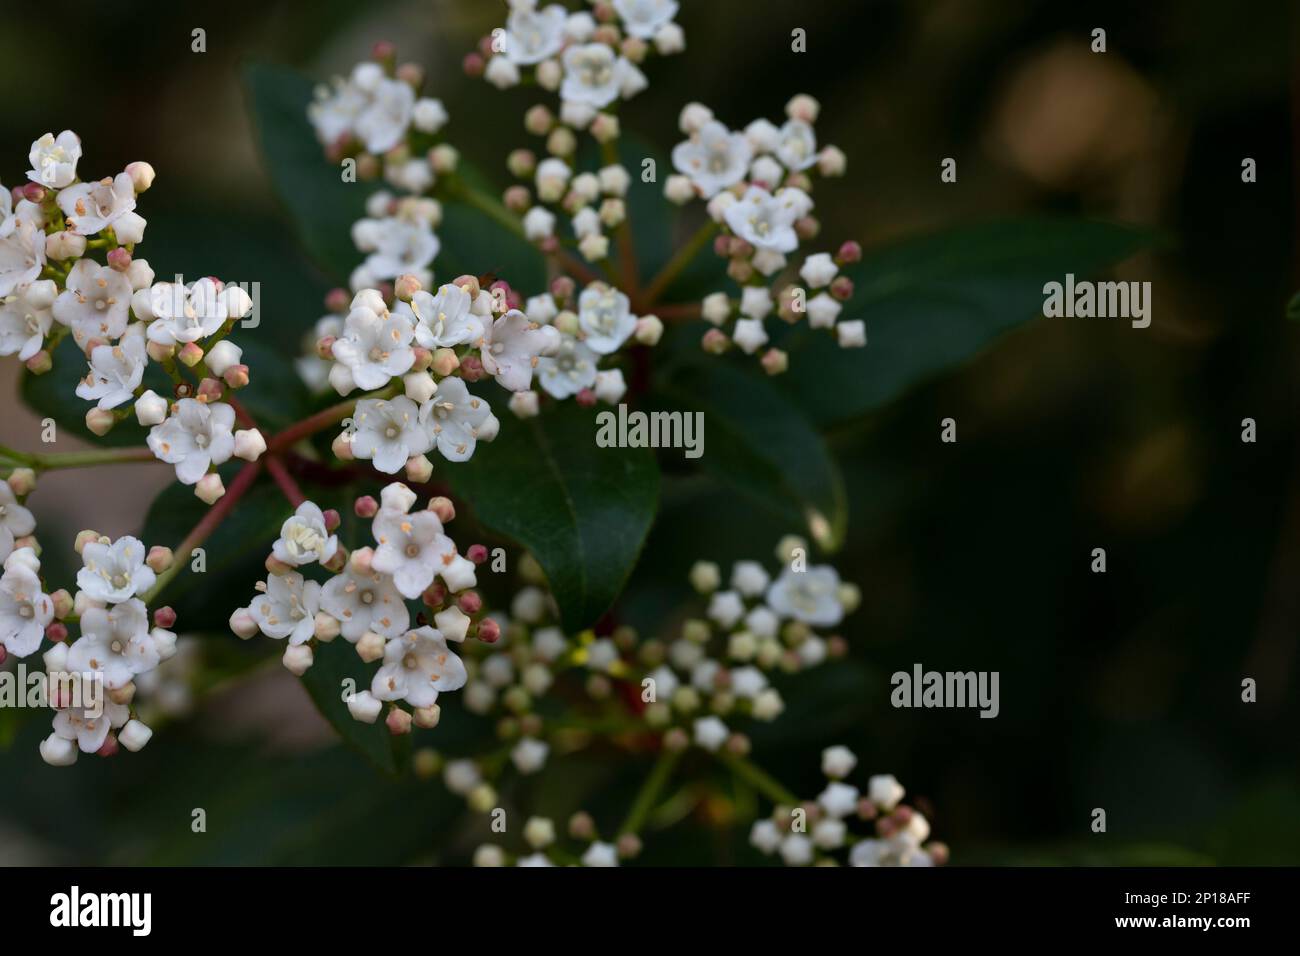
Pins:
x: 759, y: 778
x: 660, y: 283
x: 81, y: 459
x: 650, y: 790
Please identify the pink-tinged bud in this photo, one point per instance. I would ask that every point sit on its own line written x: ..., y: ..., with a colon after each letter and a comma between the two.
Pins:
x: 22, y: 482
x: 738, y: 744
x: 3, y: 654
x: 607, y: 34
x: 572, y: 202
x: 63, y: 603
x: 740, y: 271
x: 383, y: 51
x: 339, y: 561
x: 938, y: 853
x: 444, y: 361
x: 159, y: 352
x: 799, y: 181
x: 722, y: 247
x: 34, y: 192
x: 406, y: 286
x: 119, y: 260
x: 522, y: 163
x: 473, y: 64
x: 361, y: 560
x: 84, y: 538
x: 190, y: 354
x: 469, y: 602
x: 469, y: 284
x: 325, y: 347
x: 337, y: 301
x: 538, y: 120
x: 64, y: 245
x: 109, y: 746
x: 209, y: 488
x: 807, y: 227
x: 385, y: 290
x: 100, y: 421
x: 562, y: 288
x: 477, y: 553
x: 142, y: 175
x: 471, y: 368
x: 849, y: 252
x: 549, y: 245
x: 488, y: 631
x: 160, y: 559
x: 40, y: 363
x: 434, y: 594
x: 715, y: 341
x: 164, y: 617
x: 740, y: 249
x: 484, y: 47
x: 517, y: 199
x: 419, y: 469
x: 368, y: 167
x: 332, y: 519
x: 775, y: 361
x: 235, y: 376
x: 275, y: 566
x: 412, y: 74
x: 586, y: 398
x: 243, y: 624
x: 342, y: 447
x: 635, y: 49
x: 443, y: 508
x: 398, y: 722
x: 842, y: 288
x: 28, y: 541
x: 56, y: 631
x: 210, y: 390
x: 365, y: 507
x: 427, y: 718
x: 837, y: 646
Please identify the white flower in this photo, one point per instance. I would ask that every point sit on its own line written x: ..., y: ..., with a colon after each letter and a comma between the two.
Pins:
x: 539, y: 223
x: 748, y: 682
x: 453, y: 418
x: 54, y: 161
x: 364, y: 602
x: 818, y: 270
x: 756, y: 301
x: 22, y: 247
x: 417, y: 667
x: 569, y: 371
x: 714, y: 158
x: 761, y: 622
x: 541, y: 309
x: 333, y: 113
x: 749, y: 578
x: 501, y: 73
x: 116, y: 642
x: 428, y: 115
x: 412, y: 549
x: 115, y: 372
x: 25, y: 318
x: 388, y: 432
x: 767, y: 221
x: 838, y: 799
x: 183, y: 314
x: 15, y: 520
x: 114, y: 572
x: 512, y: 348
x: 885, y: 791
x: 600, y: 854
x: 644, y: 18
x: 593, y: 74
x: 763, y: 136
x: 851, y: 335
x: 726, y: 608
x: 533, y: 35
x: 443, y: 320
x: 750, y: 335
x: 796, y: 850
x: 765, y: 837
x: 670, y: 39
x: 829, y: 833
x: 24, y: 610
x: 603, y: 315
x: 838, y: 762
x: 710, y: 732
x: 811, y: 596
x: 529, y: 755
x: 766, y: 172
x: 610, y: 386
x: 287, y: 608
x: 397, y: 246
x: 375, y: 347
x: 304, y: 538
x: 89, y: 726
x: 95, y: 303
x: 382, y: 124
x: 194, y: 437
x: 822, y: 311
x: 797, y: 147
x: 92, y: 207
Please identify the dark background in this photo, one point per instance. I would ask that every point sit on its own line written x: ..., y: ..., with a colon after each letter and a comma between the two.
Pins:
x: 1119, y: 691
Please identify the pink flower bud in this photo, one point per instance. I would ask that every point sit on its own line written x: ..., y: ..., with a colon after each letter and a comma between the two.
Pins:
x: 383, y: 51
x: 412, y: 74
x: 423, y: 359
x: 472, y: 64
x: 477, y: 553
x: 740, y: 271
x: 332, y: 519
x: 419, y: 469
x: 40, y: 363
x: 775, y: 361
x: 236, y: 376
x: 159, y: 559
x: 84, y: 538
x: 807, y: 227
x: 488, y: 631
x: 444, y: 362
x: 164, y: 617
x: 586, y: 398
x: 109, y: 747
x: 517, y: 199
x: 469, y: 602
x: 119, y: 260
x: 562, y: 288
x: 159, y: 352
x: 100, y: 421
x: 22, y: 482
x: 722, y: 247
x: 63, y: 603
x: 471, y: 368
x: 398, y: 722
x: 365, y: 507
x: 190, y: 354
x: 210, y: 390
x: 243, y: 624
x: 468, y: 283
x: 715, y: 341
x: 361, y: 560
x: 142, y: 175
x: 443, y: 508
x: 406, y: 286
x: 209, y: 488
x: 849, y: 252
x: 56, y: 631
x: 434, y: 594
x: 842, y: 288
x: 337, y: 301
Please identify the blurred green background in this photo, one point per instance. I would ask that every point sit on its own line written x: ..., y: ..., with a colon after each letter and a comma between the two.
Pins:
x: 1119, y: 691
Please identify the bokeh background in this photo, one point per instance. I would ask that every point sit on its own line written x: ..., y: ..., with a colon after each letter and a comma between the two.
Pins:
x: 1119, y: 691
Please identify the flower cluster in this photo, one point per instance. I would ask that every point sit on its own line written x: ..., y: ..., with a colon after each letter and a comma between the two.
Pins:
x: 812, y: 833
x: 547, y: 848
x: 364, y: 599
x: 90, y: 681
x: 758, y: 186
x: 51, y: 285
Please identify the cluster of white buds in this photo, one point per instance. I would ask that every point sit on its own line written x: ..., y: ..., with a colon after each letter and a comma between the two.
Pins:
x: 593, y: 201
x: 546, y: 848
x: 814, y: 832
x: 758, y: 185
x: 51, y: 285
x: 364, y: 598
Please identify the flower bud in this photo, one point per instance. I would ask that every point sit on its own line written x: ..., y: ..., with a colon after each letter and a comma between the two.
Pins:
x: 65, y: 245
x: 419, y: 469
x: 150, y: 408
x: 141, y: 174
x: 84, y: 538
x: 715, y: 342
x: 326, y: 627
x: 842, y: 288
x: 477, y: 553
x: 159, y: 352
x: 249, y: 444
x: 524, y: 404
x: 342, y: 447
x: 522, y: 163
x: 371, y: 647
x: 119, y: 260
x: 298, y: 659
x: 56, y: 631
x: 427, y: 717
x: 488, y: 631
x: 471, y: 368
x: 360, y: 560
x: 62, y: 603
x: 775, y: 361
x: 190, y: 354
x: 365, y: 507
x: 363, y: 706
x: 223, y: 356
x: 22, y: 482
x: 100, y: 421
x: 40, y: 363
x: 443, y: 508
x: 58, y: 752
x: 649, y: 329
x: 538, y: 120
x: 209, y: 488
x: 398, y: 721
x: 209, y: 390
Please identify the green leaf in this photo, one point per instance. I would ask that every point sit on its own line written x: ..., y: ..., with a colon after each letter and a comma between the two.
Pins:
x: 934, y: 302
x: 323, y: 207
x: 476, y: 244
x: 335, y: 663
x: 582, y: 511
x: 758, y: 442
x: 234, y: 555
x: 1293, y: 308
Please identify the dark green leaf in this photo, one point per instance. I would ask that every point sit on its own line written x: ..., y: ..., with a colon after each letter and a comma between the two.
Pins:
x: 336, y: 663
x: 583, y: 511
